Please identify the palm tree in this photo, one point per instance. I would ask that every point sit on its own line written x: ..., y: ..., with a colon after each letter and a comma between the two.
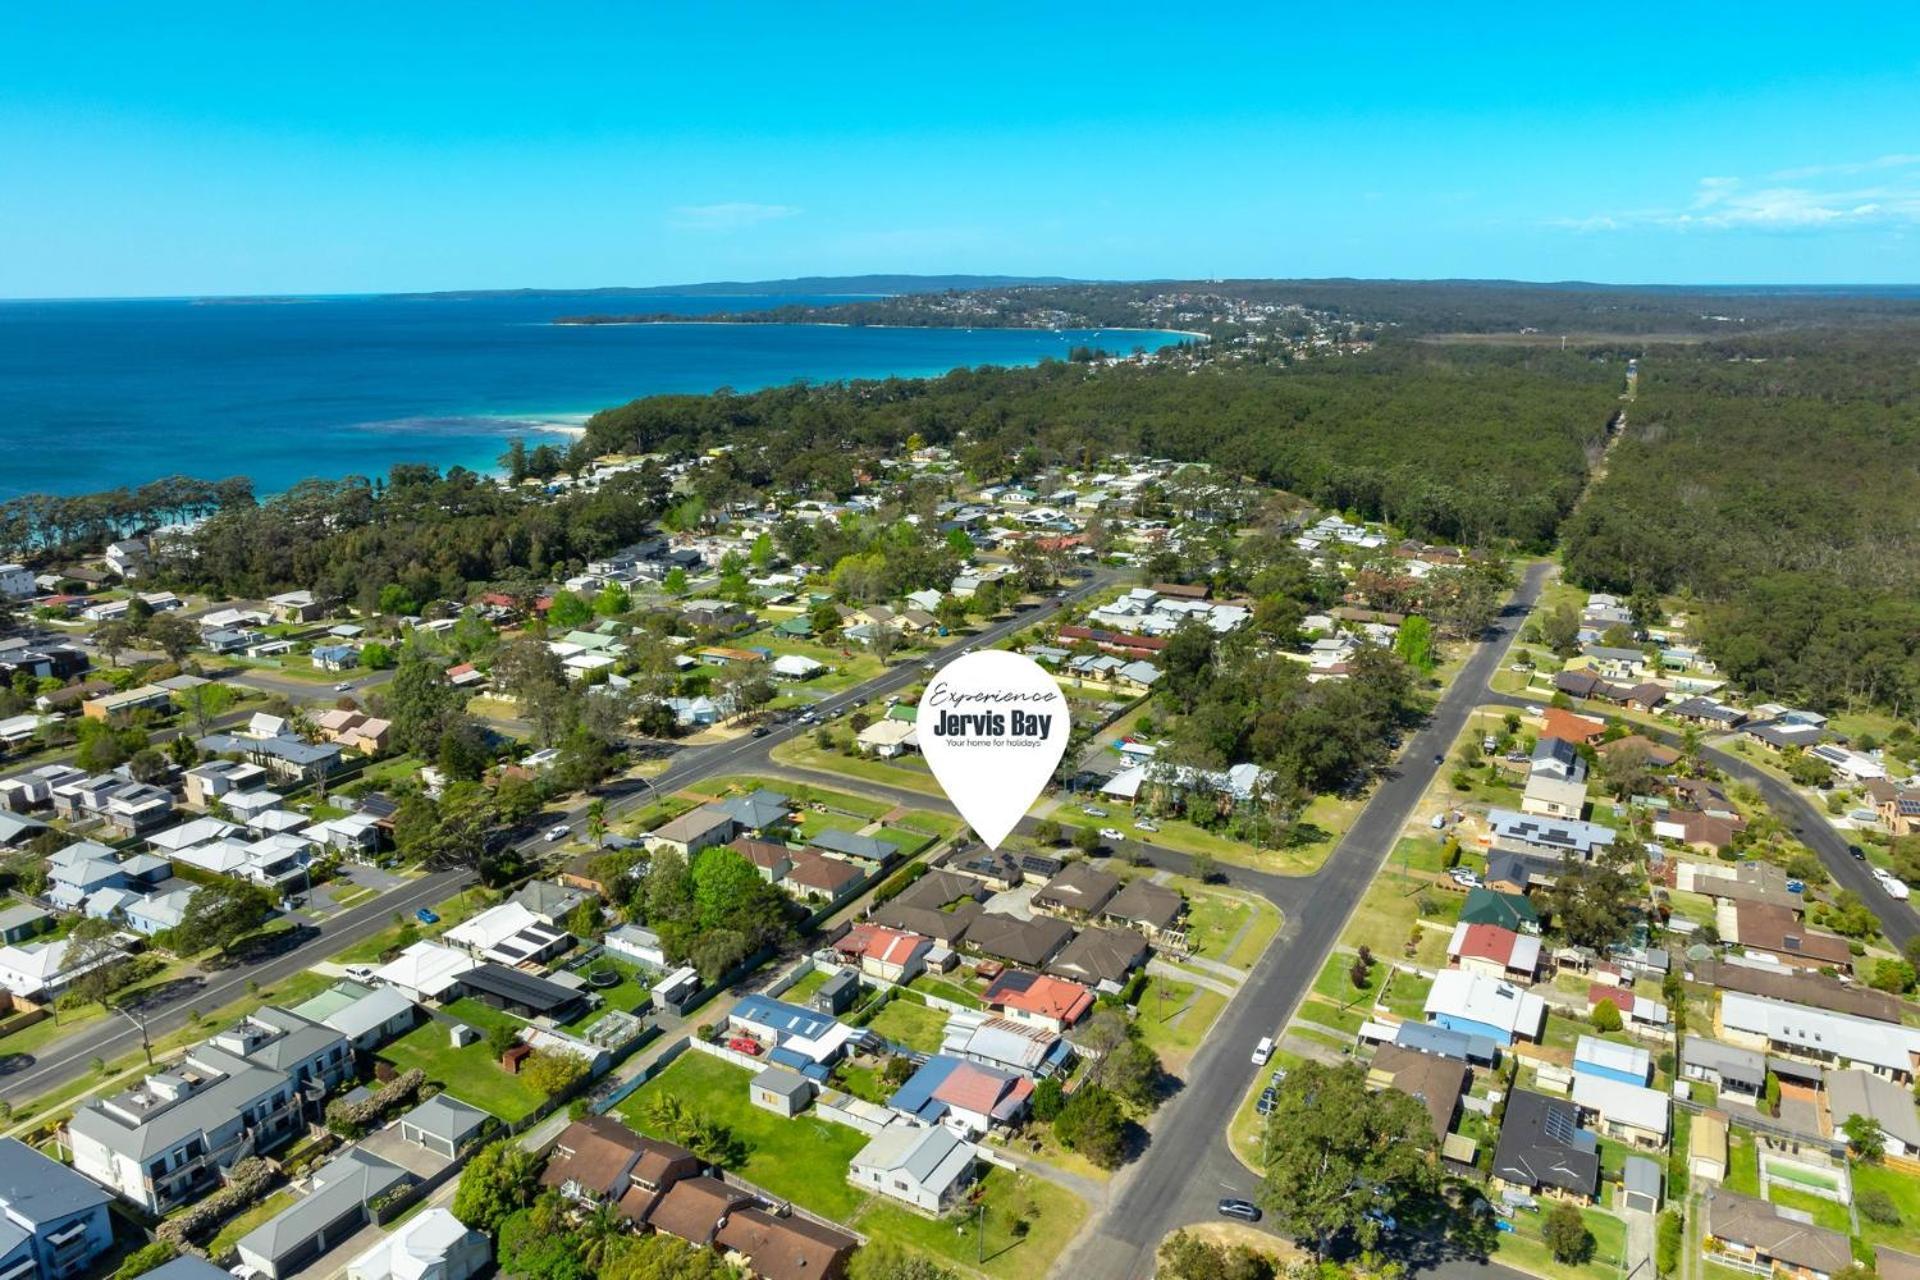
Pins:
x: 599, y: 1236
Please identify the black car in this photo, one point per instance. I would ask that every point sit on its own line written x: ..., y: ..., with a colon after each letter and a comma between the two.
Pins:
x: 1857, y: 852
x: 1245, y: 1210
x: 759, y: 731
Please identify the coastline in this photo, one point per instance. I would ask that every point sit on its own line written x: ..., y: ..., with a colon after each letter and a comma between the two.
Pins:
x: 842, y: 324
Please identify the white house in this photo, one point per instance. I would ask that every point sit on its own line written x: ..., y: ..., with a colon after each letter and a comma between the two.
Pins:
x: 926, y: 1168
x: 433, y: 1245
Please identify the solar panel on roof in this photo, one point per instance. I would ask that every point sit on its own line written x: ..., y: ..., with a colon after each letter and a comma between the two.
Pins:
x: 1558, y: 1125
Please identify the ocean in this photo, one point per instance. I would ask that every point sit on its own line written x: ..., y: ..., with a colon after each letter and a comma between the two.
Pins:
x: 95, y: 395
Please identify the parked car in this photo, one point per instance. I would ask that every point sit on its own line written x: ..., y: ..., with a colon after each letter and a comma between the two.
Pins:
x: 1145, y: 824
x: 1858, y: 853
x: 343, y: 686
x: 1263, y: 1051
x: 1093, y: 811
x: 744, y: 1044
x: 359, y: 972
x: 759, y: 731
x: 1112, y: 833
x: 559, y: 832
x: 1466, y: 878
x: 425, y: 916
x: 1245, y: 1210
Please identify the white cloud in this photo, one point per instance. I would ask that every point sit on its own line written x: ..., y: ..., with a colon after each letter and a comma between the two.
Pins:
x: 730, y: 215
x: 1789, y: 200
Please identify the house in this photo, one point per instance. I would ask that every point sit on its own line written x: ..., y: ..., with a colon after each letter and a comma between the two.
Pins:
x: 16, y: 581
x: 1819, y: 1035
x: 1099, y: 958
x: 1777, y: 931
x: 784, y: 1247
x: 1031, y: 943
x: 1475, y: 1005
x: 1435, y: 1082
x: 522, y: 993
x: 693, y: 1209
x: 549, y: 902
x: 1054, y: 1003
x: 127, y: 557
x: 509, y: 934
x: 1630, y: 1113
x: 1752, y: 1231
x: 1731, y: 1070
x: 1861, y: 1093
x: 295, y: 606
x: 594, y: 1159
x: 1078, y: 893
x: 927, y: 1168
x: 23, y: 920
x: 163, y: 1141
x: 286, y: 757
x: 1556, y: 781
x: 339, y: 1202
x: 970, y: 1097
x: 637, y: 943
x: 53, y: 1221
x: 1798, y: 986
x: 1571, y: 728
x: 845, y: 844
x: 1494, y: 952
x: 427, y: 972
x: 431, y: 1245
x: 1560, y: 838
x: 1543, y: 1150
x: 837, y: 994
x: 36, y: 972
x: 889, y: 955
x: 816, y: 878
x: 444, y: 1126
x: 807, y: 1041
x: 783, y: 1092
x: 759, y: 810
x: 693, y: 831
x: 112, y: 706
x: 794, y: 666
x: 888, y: 738
x: 1505, y: 910
x: 368, y: 1017
x: 1022, y: 1048
x: 1153, y: 909
x: 1625, y: 1063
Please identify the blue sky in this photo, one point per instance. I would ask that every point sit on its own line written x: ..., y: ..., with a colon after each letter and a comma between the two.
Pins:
x: 339, y: 147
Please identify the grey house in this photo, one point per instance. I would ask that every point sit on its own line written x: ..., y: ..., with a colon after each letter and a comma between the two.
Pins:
x: 54, y: 1221
x: 340, y: 1203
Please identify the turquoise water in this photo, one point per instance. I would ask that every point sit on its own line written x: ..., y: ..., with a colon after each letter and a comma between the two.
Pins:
x: 94, y: 395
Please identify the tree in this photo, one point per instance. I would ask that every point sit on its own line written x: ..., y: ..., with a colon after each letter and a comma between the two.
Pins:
x: 1414, y: 643
x: 1185, y: 1256
x: 1606, y: 1017
x: 1591, y: 903
x: 1565, y: 1232
x: 418, y: 702
x: 675, y: 583
x: 1772, y: 1094
x: 173, y: 635
x: 1864, y: 1137
x: 205, y: 703
x: 96, y: 959
x: 1203, y: 868
x: 1340, y: 1158
x: 568, y: 611
x: 376, y: 656
x: 113, y: 639
x: 1896, y: 976
x: 220, y: 914
x: 552, y: 1072
x: 1560, y: 630
x: 1086, y: 839
x: 500, y: 1178
x: 612, y: 601
x: 1093, y: 1124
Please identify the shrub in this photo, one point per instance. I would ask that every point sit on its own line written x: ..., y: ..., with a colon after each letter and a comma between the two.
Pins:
x: 247, y: 1181
x: 1667, y: 1241
x: 350, y: 1119
x: 1877, y: 1206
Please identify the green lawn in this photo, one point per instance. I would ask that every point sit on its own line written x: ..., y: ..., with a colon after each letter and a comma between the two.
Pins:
x: 241, y: 1223
x: 801, y: 991
x: 1825, y: 1213
x: 1170, y: 1032
x: 927, y: 984
x: 470, y: 1074
x: 1525, y: 1250
x: 1407, y: 994
x: 1904, y: 1190
x: 1344, y: 1021
x: 1743, y: 1164
x: 802, y: 1159
x: 914, y: 1025
x: 483, y: 1017
x: 987, y: 1242
x: 1335, y: 981
x: 803, y: 752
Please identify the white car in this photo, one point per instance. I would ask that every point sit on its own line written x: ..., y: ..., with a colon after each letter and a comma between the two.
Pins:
x: 557, y: 833
x: 1112, y: 833
x: 1263, y: 1051
x: 343, y: 686
x: 1145, y: 824
x: 1471, y: 879
x: 359, y: 972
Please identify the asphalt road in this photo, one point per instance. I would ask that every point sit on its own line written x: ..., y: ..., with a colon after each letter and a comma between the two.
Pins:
x: 24, y: 1076
x: 1187, y: 1166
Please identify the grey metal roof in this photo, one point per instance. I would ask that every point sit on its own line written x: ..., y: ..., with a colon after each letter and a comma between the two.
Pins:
x: 375, y: 1009
x: 1642, y: 1175
x: 353, y: 1176
x: 241, y: 1085
x: 445, y: 1117
x: 41, y: 1190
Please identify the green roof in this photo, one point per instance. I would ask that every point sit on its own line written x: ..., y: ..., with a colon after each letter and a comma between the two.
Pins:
x: 1488, y: 906
x: 910, y: 712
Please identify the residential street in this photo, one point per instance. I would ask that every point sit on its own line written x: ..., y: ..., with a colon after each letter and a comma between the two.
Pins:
x: 1188, y: 1167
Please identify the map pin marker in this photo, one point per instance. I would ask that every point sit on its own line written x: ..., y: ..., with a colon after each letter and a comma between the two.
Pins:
x: 992, y: 725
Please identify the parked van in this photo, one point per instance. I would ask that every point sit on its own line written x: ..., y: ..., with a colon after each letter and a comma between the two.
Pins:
x: 1263, y: 1051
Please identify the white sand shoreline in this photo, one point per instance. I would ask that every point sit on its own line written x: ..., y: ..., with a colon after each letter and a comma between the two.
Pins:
x: 841, y: 324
